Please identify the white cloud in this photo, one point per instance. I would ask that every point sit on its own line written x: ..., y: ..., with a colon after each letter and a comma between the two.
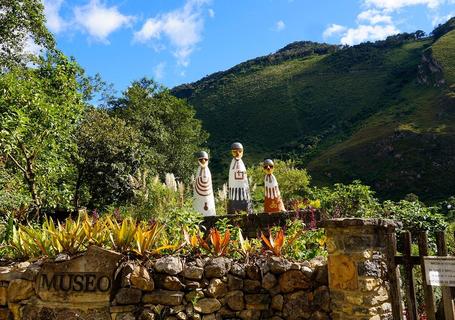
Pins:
x: 54, y: 21
x: 152, y: 28
x: 158, y: 71
x: 280, y: 25
x: 393, y: 5
x: 438, y: 19
x: 211, y: 13
x: 379, y: 19
x: 182, y: 27
x: 367, y: 33
x: 333, y: 29
x: 374, y: 17
x: 30, y: 46
x: 99, y: 21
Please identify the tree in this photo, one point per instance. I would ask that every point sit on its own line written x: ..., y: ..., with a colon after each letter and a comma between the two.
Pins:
x: 351, y: 200
x: 39, y: 111
x: 169, y: 130
x: 414, y: 215
x: 109, y: 153
x: 293, y: 182
x: 22, y: 22
x: 419, y: 34
x: 444, y: 28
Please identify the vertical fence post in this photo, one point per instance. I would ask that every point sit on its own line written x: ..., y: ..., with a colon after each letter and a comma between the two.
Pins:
x: 411, y: 301
x: 447, y: 300
x: 427, y: 289
x: 393, y: 275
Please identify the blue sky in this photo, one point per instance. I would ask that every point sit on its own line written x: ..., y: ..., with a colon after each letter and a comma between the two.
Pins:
x: 180, y: 41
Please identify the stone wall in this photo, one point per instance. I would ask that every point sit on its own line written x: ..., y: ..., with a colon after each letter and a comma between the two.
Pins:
x: 359, y: 268
x: 356, y: 283
x: 101, y: 284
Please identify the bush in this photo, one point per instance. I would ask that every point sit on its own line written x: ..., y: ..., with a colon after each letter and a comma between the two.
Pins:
x: 293, y: 182
x: 414, y: 215
x: 352, y: 200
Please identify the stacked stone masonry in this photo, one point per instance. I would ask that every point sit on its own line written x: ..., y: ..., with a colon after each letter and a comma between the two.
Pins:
x: 101, y: 284
x: 358, y: 270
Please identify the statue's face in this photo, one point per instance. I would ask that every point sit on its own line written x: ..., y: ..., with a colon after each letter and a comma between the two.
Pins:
x: 237, y: 153
x: 268, y: 169
x: 203, y: 162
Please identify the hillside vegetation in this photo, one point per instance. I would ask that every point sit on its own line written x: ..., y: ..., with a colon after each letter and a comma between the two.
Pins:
x: 380, y: 112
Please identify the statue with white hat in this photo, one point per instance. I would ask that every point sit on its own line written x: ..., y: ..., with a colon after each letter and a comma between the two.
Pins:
x: 239, y: 198
x: 203, y: 200
x: 272, y: 200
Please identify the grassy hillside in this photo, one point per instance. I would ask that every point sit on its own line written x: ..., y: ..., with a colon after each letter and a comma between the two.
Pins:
x: 381, y: 112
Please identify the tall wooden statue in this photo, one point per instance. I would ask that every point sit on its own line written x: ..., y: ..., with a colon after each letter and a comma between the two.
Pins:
x: 272, y: 200
x: 204, y: 201
x: 239, y: 190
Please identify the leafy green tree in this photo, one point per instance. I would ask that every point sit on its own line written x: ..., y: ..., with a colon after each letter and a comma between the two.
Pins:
x: 447, y: 208
x: 169, y: 131
x: 414, y: 215
x: 444, y: 28
x: 293, y: 182
x: 39, y: 111
x: 109, y: 153
x: 419, y: 34
x: 352, y: 200
x: 21, y: 21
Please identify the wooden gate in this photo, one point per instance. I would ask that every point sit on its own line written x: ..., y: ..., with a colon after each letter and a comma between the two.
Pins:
x: 407, y: 289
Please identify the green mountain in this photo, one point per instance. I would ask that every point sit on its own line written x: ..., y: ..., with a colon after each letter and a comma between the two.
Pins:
x: 380, y: 112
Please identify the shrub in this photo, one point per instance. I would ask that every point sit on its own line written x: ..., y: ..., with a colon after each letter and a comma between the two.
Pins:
x: 303, y: 243
x: 352, y: 200
x: 293, y: 182
x: 414, y: 215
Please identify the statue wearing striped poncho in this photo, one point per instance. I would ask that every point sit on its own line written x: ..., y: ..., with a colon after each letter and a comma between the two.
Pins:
x: 239, y: 198
x: 203, y: 201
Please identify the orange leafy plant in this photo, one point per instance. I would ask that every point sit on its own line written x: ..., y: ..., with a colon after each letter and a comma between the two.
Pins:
x: 219, y: 244
x: 274, y: 245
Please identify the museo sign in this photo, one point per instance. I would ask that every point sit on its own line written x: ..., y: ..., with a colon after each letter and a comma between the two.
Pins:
x: 85, y: 278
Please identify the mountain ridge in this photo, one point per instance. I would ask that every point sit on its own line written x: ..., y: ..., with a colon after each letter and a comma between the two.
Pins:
x: 331, y: 108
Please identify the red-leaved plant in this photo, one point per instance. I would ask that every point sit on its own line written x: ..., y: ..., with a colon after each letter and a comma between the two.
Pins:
x: 219, y: 244
x: 274, y: 244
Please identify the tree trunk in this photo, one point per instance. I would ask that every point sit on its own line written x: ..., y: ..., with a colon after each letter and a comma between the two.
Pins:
x: 30, y: 175
x: 77, y: 189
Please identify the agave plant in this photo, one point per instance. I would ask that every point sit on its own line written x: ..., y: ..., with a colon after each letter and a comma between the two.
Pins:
x: 247, y: 246
x: 30, y: 242
x: 95, y: 230
x: 68, y: 237
x: 146, y: 238
x: 274, y: 244
x: 122, y: 233
x: 219, y: 244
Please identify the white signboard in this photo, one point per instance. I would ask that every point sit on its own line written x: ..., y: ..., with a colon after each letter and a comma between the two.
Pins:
x: 440, y: 271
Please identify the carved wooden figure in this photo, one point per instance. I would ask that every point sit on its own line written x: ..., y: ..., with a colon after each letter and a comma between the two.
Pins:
x: 239, y: 198
x: 272, y: 200
x: 203, y: 201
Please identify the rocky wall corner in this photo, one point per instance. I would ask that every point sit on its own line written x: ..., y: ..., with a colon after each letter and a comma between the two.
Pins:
x: 101, y: 284
x: 359, y: 272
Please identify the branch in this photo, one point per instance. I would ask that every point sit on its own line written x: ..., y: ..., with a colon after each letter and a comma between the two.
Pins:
x: 23, y: 149
x: 17, y: 164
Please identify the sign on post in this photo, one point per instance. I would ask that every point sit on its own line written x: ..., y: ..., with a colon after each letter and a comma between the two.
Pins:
x: 440, y: 271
